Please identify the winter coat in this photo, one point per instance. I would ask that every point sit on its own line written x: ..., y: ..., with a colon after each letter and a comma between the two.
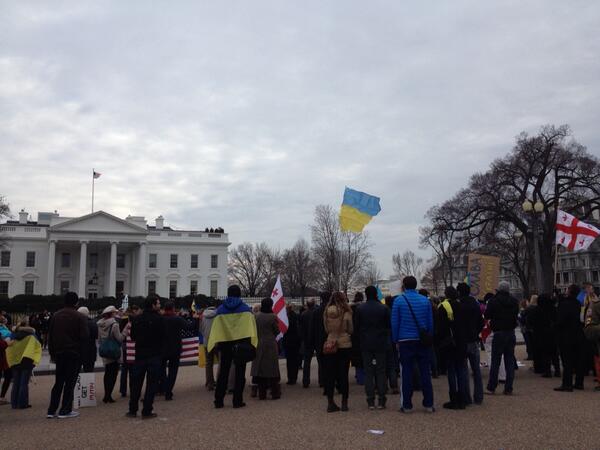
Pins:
x: 338, y: 326
x: 306, y: 330
x: 317, y: 328
x: 109, y: 329
x: 148, y: 333
x: 569, y: 328
x: 89, y: 350
x: 206, y: 322
x: 266, y: 363
x: 174, y: 326
x: 67, y: 333
x: 502, y: 311
x: 355, y: 354
x: 291, y: 339
x: 404, y: 327
x: 473, y: 318
x: 373, y: 327
x: 452, y: 329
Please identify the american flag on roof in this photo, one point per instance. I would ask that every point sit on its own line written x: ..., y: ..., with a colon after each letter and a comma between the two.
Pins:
x: 97, y: 174
x: 189, y: 346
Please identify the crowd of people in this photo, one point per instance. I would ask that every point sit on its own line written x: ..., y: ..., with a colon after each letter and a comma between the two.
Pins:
x: 410, y: 336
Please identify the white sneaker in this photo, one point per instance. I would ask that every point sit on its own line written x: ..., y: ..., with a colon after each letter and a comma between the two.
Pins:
x: 69, y: 416
x: 50, y: 416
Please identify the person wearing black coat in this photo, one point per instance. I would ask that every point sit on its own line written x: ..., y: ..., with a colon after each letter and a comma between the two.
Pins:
x: 473, y: 325
x: 89, y: 350
x: 305, y: 323
x: 174, y: 326
x: 451, y: 336
x: 542, y: 321
x: 356, y: 354
x: 372, y: 323
x: 148, y: 333
x: 291, y: 344
x: 571, y: 340
x: 318, y: 334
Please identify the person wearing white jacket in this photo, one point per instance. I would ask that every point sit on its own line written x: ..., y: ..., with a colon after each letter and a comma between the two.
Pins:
x: 108, y: 330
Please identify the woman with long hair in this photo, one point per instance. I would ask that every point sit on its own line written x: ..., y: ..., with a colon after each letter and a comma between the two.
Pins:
x: 337, y: 319
x: 265, y: 367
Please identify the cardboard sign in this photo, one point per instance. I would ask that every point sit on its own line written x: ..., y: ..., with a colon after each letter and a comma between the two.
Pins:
x: 484, y: 274
x: 85, y: 391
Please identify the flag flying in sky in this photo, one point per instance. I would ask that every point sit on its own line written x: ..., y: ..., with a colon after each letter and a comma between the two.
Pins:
x: 357, y: 210
x: 97, y: 174
x: 574, y: 234
x: 279, y: 308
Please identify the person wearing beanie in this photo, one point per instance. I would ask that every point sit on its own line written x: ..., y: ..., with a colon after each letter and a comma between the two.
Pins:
x: 502, y: 312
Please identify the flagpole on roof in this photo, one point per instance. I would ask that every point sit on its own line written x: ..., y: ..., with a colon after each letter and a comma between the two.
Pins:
x: 93, y: 180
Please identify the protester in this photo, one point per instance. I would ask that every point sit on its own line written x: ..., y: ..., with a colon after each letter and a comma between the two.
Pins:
x: 337, y: 319
x: 265, y: 367
x: 233, y: 330
x: 174, y: 326
x: 392, y: 363
x: 571, y: 340
x: 592, y: 326
x: 318, y: 335
x: 67, y: 334
x: 452, y: 342
x: 5, y: 372
x: 89, y: 350
x: 308, y: 348
x: 412, y: 330
x: 126, y: 363
x: 111, y: 339
x: 148, y: 333
x: 527, y: 307
x: 502, y: 311
x: 291, y: 343
x: 205, y: 324
x: 23, y: 354
x: 45, y: 322
x: 372, y: 325
x: 356, y: 353
x: 542, y: 322
x: 473, y: 327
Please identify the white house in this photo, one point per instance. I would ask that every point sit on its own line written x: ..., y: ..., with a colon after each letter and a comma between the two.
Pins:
x: 100, y: 255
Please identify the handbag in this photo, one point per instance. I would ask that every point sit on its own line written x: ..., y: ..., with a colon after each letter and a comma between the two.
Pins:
x: 425, y: 337
x: 330, y: 347
x: 109, y: 347
x: 243, y: 352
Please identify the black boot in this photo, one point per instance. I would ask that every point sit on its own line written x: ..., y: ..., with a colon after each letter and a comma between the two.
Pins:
x: 344, y: 403
x: 452, y: 404
x: 331, y: 406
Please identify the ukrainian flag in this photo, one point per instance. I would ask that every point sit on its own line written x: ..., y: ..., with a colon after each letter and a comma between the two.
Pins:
x: 357, y: 210
x: 234, y: 321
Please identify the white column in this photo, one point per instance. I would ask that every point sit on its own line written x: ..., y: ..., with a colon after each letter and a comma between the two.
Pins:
x: 82, y: 269
x: 141, y: 270
x: 51, y: 262
x: 112, y: 273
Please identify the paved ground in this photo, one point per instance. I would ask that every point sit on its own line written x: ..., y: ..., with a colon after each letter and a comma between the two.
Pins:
x: 535, y: 417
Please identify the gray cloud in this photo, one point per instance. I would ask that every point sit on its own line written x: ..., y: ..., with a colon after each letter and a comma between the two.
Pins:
x: 248, y: 114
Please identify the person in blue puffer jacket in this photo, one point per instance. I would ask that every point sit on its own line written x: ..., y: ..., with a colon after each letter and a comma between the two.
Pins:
x: 405, y: 333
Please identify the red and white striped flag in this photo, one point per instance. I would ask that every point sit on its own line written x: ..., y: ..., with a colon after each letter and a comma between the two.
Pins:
x: 96, y: 174
x: 573, y: 234
x: 279, y: 308
x: 189, y: 347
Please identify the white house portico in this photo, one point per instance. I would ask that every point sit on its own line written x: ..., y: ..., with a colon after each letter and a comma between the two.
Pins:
x: 102, y: 255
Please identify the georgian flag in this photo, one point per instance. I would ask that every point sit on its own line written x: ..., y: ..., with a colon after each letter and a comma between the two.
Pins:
x: 279, y: 308
x: 573, y: 234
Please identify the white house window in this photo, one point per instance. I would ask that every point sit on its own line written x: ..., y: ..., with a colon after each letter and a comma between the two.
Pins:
x: 173, y: 261
x: 214, y: 288
x: 29, y: 284
x: 214, y: 261
x: 65, y: 260
x: 64, y: 284
x: 595, y: 276
x: 151, y: 287
x: 93, y: 260
x: 152, y: 260
x: 193, y: 287
x: 5, y: 258
x: 120, y: 260
x: 3, y: 288
x: 172, y: 288
x: 30, y: 259
x: 194, y: 262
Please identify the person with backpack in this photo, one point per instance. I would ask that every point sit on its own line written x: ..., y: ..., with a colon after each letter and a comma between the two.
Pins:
x: 110, y: 338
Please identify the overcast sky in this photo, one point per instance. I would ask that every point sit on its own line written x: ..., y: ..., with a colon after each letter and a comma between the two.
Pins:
x: 248, y: 114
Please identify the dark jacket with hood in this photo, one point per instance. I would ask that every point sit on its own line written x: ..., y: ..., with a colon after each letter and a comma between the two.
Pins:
x: 473, y: 318
x: 148, y: 333
x: 372, y: 325
x: 502, y: 312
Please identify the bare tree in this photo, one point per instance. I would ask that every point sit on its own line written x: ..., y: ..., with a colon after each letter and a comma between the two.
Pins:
x: 370, y: 275
x: 406, y: 264
x: 340, y: 256
x: 4, y: 212
x: 249, y: 267
x: 299, y: 269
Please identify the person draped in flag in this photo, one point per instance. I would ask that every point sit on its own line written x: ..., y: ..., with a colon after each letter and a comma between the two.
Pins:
x: 265, y: 367
x: 233, y: 330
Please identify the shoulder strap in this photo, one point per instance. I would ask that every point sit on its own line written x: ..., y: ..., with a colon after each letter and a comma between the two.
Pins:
x: 412, y: 312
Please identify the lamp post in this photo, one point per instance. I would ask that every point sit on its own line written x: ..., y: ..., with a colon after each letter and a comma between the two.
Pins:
x: 535, y: 210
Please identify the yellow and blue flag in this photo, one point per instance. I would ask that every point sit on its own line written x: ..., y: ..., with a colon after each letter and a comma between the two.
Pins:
x: 234, y: 321
x: 357, y: 210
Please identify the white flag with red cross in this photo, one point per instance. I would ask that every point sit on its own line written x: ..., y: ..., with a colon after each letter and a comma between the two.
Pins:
x: 279, y: 308
x: 574, y: 234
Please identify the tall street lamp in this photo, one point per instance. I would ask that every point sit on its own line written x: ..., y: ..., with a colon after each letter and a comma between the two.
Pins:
x: 535, y: 210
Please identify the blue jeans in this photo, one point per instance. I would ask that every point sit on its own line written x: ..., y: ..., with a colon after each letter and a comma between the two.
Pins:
x: 19, y: 396
x: 411, y: 353
x: 458, y: 379
x: 503, y: 345
x: 473, y: 357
